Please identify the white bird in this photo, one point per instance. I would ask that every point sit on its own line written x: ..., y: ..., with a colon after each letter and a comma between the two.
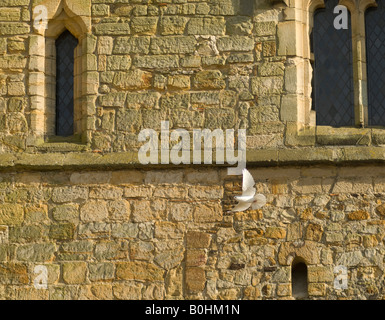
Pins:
x: 248, y: 197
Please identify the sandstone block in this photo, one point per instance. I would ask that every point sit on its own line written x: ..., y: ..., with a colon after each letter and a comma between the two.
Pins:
x: 170, y: 259
x: 135, y: 79
x: 195, y: 279
x: 265, y: 28
x: 178, y: 82
x: 62, y: 231
x: 235, y: 43
x: 138, y: 271
x: 112, y: 28
x: 144, y: 211
x: 117, y: 63
x: 320, y: 274
x: 157, y: 62
x: 275, y: 233
x: 314, y: 232
x: 94, y: 211
x: 100, y: 10
x: 317, y: 289
x: 205, y: 213
x: 69, y: 194
x: 196, y: 258
x: 271, y: 69
x: 141, y: 250
x: 124, y: 230
x: 266, y: 86
x: 74, y: 272
x: 173, y: 44
x: 308, y: 251
x: 14, y: 273
x: 359, y: 215
x: 11, y: 214
x: 209, y: 79
x: 180, y: 211
x: 196, y: 240
x: 131, y: 291
x: 129, y: 45
x: 101, y: 271
x: 219, y: 118
x: 13, y: 28
x: 206, y: 26
x: 144, y: 25
x: 284, y: 289
x: 172, y: 25
x: 169, y: 230
x: 39, y: 252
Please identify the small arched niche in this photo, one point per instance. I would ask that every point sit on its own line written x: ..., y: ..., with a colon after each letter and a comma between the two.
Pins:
x: 299, y: 285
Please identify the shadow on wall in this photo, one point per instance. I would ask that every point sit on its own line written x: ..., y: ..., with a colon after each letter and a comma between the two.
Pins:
x: 247, y: 7
x: 299, y: 279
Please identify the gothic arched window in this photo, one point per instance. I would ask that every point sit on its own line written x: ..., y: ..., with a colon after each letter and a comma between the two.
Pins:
x: 375, y: 49
x: 333, y: 87
x: 65, y: 64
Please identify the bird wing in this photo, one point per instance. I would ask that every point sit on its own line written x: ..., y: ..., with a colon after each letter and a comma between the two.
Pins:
x: 248, y: 184
x: 244, y: 198
x: 259, y: 201
x: 248, y: 181
x: 241, y: 206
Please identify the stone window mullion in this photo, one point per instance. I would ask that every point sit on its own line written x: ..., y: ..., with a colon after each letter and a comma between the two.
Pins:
x: 89, y: 85
x: 50, y: 87
x: 359, y: 68
x: 37, y: 69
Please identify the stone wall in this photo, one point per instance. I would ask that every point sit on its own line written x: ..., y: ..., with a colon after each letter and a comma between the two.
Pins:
x: 210, y: 64
x: 167, y: 234
x: 106, y: 227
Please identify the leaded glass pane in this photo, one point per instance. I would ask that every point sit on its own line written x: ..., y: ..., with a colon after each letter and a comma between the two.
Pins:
x: 375, y: 48
x: 65, y: 47
x: 333, y: 92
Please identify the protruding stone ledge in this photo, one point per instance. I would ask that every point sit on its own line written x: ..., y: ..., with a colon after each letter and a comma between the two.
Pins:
x: 262, y: 158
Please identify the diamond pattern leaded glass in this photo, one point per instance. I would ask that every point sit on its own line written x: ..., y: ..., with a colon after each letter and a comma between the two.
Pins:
x: 333, y: 90
x: 65, y: 47
x: 375, y: 48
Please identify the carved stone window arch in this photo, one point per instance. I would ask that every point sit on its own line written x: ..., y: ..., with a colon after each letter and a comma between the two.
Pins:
x: 294, y: 42
x: 75, y: 17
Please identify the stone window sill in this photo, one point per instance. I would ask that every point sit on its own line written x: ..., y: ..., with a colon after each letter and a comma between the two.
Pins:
x: 331, y: 136
x: 62, y: 144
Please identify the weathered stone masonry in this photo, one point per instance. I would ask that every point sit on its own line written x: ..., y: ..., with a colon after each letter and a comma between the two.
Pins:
x: 107, y: 227
x: 166, y: 234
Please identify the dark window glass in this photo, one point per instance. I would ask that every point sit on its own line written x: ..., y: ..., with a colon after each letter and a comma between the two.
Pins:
x: 65, y: 47
x: 375, y: 48
x: 333, y: 92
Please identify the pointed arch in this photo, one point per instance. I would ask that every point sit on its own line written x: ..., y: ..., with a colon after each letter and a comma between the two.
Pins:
x: 75, y: 12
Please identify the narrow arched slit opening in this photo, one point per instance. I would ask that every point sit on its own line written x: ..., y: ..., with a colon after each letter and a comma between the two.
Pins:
x: 299, y: 283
